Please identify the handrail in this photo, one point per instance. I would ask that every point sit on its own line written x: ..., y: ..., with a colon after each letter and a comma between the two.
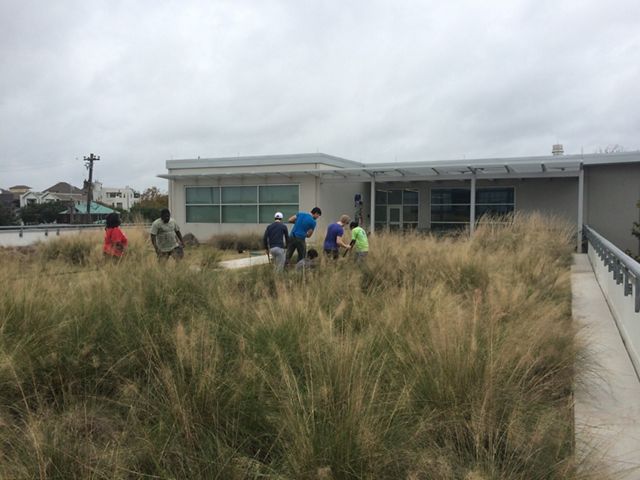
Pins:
x: 49, y: 226
x: 625, y: 269
x: 57, y: 227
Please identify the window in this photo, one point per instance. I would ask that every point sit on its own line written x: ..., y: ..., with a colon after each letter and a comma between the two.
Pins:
x: 240, y: 204
x: 397, y: 209
x: 451, y: 207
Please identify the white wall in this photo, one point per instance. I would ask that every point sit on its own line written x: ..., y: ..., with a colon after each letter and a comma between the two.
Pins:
x: 622, y: 307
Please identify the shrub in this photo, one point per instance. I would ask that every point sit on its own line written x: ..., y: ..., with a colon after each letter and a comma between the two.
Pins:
x: 438, y: 359
x: 238, y: 242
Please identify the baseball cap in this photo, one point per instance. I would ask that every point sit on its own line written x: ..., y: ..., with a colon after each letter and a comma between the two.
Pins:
x: 278, y: 215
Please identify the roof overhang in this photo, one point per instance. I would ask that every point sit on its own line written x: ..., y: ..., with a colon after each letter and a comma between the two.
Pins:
x: 461, y: 169
x: 435, y: 171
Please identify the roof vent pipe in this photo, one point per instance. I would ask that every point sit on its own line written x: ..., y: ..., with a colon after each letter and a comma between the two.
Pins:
x: 557, y: 149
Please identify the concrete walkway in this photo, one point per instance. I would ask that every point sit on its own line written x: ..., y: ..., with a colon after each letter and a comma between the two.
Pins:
x: 607, y: 399
x: 245, y: 262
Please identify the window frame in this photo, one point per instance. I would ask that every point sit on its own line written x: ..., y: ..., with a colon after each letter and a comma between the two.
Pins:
x: 221, y: 204
x: 465, y: 224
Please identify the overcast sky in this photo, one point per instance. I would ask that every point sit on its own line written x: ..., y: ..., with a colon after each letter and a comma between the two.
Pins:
x: 140, y: 82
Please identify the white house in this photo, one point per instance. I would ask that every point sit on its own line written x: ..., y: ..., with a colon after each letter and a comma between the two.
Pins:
x: 119, y: 197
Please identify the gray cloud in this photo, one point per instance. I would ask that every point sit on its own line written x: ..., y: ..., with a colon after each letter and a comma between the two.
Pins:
x: 142, y: 82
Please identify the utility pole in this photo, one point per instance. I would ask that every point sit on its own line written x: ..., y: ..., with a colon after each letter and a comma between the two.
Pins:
x: 88, y: 162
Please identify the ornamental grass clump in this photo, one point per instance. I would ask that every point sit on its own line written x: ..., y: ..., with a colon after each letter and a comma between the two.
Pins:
x: 439, y: 358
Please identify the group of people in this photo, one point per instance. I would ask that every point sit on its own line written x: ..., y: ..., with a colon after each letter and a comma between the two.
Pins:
x: 281, y: 244
x: 165, y: 237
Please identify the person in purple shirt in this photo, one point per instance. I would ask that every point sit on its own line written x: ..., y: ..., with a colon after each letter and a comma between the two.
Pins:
x: 333, y: 239
x: 303, y: 226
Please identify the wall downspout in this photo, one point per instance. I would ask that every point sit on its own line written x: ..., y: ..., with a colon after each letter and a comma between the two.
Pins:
x: 372, y: 208
x: 580, y: 209
x: 472, y: 213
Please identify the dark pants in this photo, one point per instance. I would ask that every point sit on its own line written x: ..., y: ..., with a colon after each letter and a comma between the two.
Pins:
x: 334, y: 254
x: 296, y: 244
x: 177, y: 253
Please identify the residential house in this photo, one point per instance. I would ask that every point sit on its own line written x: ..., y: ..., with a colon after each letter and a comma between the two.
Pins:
x: 78, y: 213
x: 119, y: 197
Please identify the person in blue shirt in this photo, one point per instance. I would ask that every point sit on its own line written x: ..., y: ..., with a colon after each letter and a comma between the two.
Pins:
x: 333, y: 239
x: 303, y: 226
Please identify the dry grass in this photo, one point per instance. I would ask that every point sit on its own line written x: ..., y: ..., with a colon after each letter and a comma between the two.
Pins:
x: 439, y: 359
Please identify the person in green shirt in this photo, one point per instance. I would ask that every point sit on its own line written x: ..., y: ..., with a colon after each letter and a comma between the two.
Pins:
x: 359, y: 241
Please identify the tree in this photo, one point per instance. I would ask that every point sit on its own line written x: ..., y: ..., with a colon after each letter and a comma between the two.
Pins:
x: 613, y: 148
x: 42, y: 212
x: 152, y: 200
x: 7, y: 216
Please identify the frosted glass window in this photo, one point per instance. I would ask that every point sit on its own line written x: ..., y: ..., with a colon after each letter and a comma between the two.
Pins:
x: 239, y: 214
x: 203, y: 214
x: 203, y: 195
x: 239, y: 195
x: 279, y: 194
x: 266, y: 212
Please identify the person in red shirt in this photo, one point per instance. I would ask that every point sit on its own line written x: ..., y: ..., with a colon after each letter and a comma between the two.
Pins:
x: 115, y: 242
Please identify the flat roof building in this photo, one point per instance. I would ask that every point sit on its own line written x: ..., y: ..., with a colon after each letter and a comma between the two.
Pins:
x: 208, y: 196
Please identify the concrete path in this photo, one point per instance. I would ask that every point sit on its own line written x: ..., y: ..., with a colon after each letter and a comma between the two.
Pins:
x: 245, y: 262
x: 607, y: 400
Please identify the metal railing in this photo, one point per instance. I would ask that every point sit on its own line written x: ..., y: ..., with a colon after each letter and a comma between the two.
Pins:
x: 625, y: 270
x: 23, y: 235
x: 49, y: 227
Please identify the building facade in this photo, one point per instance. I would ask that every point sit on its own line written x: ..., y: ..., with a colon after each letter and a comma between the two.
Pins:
x: 118, y: 197
x: 221, y: 195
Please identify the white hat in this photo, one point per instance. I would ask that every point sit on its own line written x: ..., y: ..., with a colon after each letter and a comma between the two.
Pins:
x: 278, y: 215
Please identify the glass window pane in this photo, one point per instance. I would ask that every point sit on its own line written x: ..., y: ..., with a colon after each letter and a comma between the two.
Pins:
x: 446, y: 227
x: 203, y: 214
x: 394, y: 214
x: 495, y: 195
x: 268, y: 211
x: 381, y: 213
x: 493, y: 210
x: 278, y: 194
x: 394, y: 197
x: 380, y: 226
x: 239, y: 214
x: 410, y: 197
x: 450, y: 195
x: 381, y: 197
x: 450, y: 213
x: 239, y: 195
x: 202, y: 195
x: 410, y: 213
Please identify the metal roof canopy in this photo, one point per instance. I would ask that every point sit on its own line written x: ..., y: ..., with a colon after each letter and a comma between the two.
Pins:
x: 492, y: 168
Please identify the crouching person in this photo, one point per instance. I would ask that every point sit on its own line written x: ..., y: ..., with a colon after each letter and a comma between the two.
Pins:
x: 308, y: 263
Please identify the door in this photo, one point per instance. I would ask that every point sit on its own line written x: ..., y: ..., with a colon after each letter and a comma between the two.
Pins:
x: 394, y: 214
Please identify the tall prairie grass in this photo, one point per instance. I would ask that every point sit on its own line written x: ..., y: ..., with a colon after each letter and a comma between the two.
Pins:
x: 437, y: 359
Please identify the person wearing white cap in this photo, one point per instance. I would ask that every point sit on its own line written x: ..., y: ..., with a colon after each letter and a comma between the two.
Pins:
x: 275, y: 240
